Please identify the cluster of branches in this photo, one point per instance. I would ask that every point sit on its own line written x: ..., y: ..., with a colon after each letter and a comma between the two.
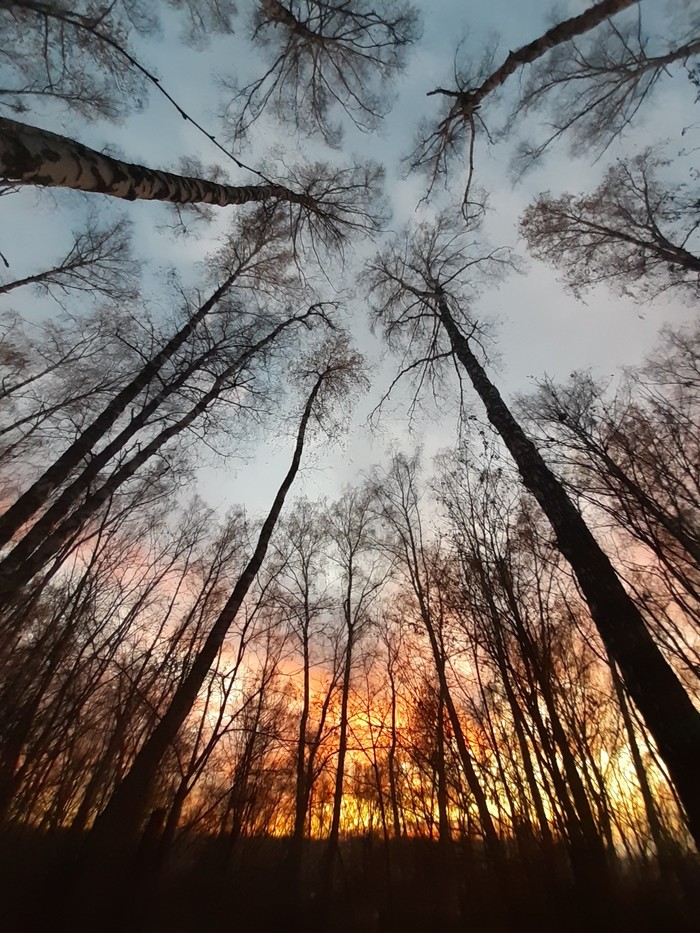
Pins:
x: 325, y: 57
x: 634, y: 232
x: 78, y: 55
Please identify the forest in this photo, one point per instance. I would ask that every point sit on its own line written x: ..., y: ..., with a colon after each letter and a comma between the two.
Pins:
x: 349, y: 465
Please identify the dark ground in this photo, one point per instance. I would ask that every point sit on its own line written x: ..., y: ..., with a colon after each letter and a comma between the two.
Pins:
x: 412, y: 885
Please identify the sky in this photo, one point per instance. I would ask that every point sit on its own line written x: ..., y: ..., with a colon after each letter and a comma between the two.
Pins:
x: 538, y: 328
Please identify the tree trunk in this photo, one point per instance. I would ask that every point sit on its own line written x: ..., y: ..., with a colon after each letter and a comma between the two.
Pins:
x: 302, y: 790
x: 38, y: 494
x: 658, y: 835
x: 658, y: 694
x: 118, y: 825
x: 391, y: 760
x: 468, y: 101
x: 333, y: 836
x: 444, y: 833
x: 29, y: 155
x: 40, y: 543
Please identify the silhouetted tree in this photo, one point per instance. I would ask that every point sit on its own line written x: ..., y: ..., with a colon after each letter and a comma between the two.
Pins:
x: 424, y: 273
x: 323, y: 55
x: 632, y: 233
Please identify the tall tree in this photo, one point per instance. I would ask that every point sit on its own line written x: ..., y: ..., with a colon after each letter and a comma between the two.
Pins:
x: 461, y: 112
x: 78, y: 54
x: 46, y: 536
x: 593, y: 90
x: 99, y: 263
x: 361, y: 576
x: 255, y: 252
x: 398, y: 500
x: 424, y: 274
x: 322, y: 56
x: 325, y: 203
x: 306, y: 601
x: 331, y: 373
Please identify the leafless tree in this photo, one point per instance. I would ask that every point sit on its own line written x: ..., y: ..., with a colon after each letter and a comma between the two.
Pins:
x: 399, y: 501
x: 416, y: 295
x: 304, y: 595
x: 632, y: 455
x: 99, y: 263
x: 456, y: 128
x: 322, y: 56
x: 593, y: 89
x: 253, y: 252
x: 325, y: 204
x: 331, y: 371
x: 362, y: 573
x: 225, y: 377
x: 78, y: 54
x: 633, y: 232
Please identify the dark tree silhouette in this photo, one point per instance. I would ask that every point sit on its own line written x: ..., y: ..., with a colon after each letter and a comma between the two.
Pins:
x: 99, y: 263
x: 456, y: 129
x: 323, y: 55
x: 333, y: 372
x: 423, y: 274
x: 633, y: 232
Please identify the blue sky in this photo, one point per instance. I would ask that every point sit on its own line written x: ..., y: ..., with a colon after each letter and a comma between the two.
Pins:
x: 539, y: 328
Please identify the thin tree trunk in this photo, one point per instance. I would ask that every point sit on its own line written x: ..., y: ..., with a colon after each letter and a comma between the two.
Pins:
x: 391, y: 760
x: 39, y: 492
x: 302, y: 791
x: 40, y: 543
x: 333, y: 836
x: 119, y: 823
x: 656, y: 829
x: 517, y: 715
x: 444, y: 834
x: 491, y: 841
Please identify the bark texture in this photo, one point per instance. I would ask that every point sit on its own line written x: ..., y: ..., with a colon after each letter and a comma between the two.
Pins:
x: 29, y: 155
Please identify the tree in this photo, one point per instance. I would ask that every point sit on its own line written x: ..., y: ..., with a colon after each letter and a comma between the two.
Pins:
x: 504, y: 597
x: 457, y: 125
x: 592, y: 91
x: 633, y: 232
x: 630, y: 453
x: 322, y: 56
x: 78, y: 54
x: 398, y: 500
x: 362, y: 576
x: 54, y: 376
x: 325, y: 203
x: 82, y: 681
x: 99, y: 263
x: 256, y: 251
x: 331, y: 374
x: 305, y: 599
x: 415, y: 293
x: 46, y: 536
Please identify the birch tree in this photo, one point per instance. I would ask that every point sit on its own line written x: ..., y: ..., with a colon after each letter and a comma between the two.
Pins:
x: 417, y: 300
x: 634, y: 232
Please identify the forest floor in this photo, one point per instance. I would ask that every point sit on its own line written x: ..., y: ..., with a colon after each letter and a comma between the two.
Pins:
x: 409, y: 885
